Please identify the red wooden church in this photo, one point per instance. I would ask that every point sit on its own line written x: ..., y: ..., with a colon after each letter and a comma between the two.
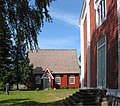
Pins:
x: 55, y: 68
x: 100, y: 45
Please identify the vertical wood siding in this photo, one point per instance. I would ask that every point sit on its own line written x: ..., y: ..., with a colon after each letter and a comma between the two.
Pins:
x: 65, y: 81
x: 85, y: 51
x: 118, y: 7
x: 109, y: 28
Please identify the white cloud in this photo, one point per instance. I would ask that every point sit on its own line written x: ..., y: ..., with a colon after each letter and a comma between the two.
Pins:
x: 65, y: 17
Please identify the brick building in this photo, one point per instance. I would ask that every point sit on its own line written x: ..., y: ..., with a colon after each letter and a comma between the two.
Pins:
x: 100, y: 45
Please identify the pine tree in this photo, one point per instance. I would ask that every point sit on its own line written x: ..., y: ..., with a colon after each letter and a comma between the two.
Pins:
x: 5, y: 52
x: 22, y: 67
x: 20, y: 22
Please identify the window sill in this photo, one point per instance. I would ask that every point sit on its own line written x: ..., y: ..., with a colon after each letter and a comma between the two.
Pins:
x: 72, y: 83
x: 97, y: 26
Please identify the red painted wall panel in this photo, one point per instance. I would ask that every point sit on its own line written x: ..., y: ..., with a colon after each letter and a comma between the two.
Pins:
x: 93, y: 48
x: 77, y: 82
x: 85, y: 51
x: 65, y: 81
x: 109, y: 28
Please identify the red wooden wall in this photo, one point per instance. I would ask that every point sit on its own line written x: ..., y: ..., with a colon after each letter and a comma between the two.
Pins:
x: 85, y: 51
x: 109, y: 28
x: 65, y: 81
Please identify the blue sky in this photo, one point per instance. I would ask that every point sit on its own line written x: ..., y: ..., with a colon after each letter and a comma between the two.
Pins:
x: 63, y: 33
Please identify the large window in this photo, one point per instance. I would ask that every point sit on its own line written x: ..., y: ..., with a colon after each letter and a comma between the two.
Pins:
x: 72, y: 79
x: 101, y: 62
x: 57, y: 79
x: 38, y: 79
x: 100, y: 12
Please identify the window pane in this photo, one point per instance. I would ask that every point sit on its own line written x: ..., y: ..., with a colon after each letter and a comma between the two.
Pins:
x: 101, y: 8
x: 38, y: 80
x: 101, y: 62
x: 104, y: 7
x: 98, y: 15
x: 72, y: 79
x: 101, y: 12
x: 57, y: 79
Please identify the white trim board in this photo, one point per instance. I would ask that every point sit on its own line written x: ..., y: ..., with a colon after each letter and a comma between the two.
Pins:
x: 88, y: 44
x: 85, y: 10
x: 82, y: 54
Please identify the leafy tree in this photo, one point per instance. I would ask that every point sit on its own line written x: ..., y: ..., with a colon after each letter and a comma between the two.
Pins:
x: 79, y: 58
x: 20, y: 21
x: 26, y: 20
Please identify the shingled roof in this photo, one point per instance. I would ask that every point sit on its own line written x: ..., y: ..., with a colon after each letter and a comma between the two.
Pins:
x: 57, y: 61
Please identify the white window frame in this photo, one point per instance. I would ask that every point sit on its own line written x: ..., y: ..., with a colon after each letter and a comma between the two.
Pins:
x: 98, y: 47
x: 56, y: 79
x: 73, y: 77
x: 38, y: 79
x: 99, y: 4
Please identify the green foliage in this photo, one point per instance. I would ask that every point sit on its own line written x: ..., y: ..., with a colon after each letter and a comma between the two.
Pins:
x: 22, y: 67
x: 5, y: 52
x: 79, y: 58
x: 24, y: 19
x: 20, y: 22
x: 1, y: 86
x: 67, y: 87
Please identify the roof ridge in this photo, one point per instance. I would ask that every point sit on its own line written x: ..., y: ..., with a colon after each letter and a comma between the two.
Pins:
x: 53, y: 50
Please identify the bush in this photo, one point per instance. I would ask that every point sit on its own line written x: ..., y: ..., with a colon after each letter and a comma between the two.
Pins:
x: 1, y: 86
x: 72, y: 87
x: 67, y: 87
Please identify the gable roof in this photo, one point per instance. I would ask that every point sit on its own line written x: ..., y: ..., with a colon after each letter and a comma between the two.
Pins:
x: 47, y: 73
x: 57, y: 61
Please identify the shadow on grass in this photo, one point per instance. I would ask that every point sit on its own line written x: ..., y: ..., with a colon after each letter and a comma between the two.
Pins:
x: 1, y: 92
x: 26, y: 102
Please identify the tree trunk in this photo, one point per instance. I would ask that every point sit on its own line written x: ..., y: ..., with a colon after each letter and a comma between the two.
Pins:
x: 17, y: 86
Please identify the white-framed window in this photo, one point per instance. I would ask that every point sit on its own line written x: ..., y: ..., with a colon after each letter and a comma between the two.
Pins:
x: 101, y: 62
x: 38, y: 79
x: 72, y: 79
x: 57, y: 79
x: 100, y: 12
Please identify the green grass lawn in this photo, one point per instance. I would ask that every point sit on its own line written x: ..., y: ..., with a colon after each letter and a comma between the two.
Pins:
x: 43, y: 97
